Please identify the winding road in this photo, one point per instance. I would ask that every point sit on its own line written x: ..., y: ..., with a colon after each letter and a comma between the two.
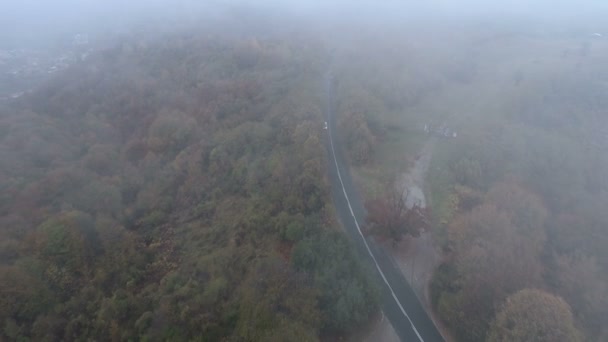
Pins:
x: 399, y: 303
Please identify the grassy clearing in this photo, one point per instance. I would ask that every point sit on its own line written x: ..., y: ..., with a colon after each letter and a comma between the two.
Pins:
x: 439, y: 192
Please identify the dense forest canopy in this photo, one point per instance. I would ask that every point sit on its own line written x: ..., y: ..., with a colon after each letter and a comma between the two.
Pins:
x: 173, y: 187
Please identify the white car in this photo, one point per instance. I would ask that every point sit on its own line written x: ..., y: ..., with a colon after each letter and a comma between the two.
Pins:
x: 325, y: 126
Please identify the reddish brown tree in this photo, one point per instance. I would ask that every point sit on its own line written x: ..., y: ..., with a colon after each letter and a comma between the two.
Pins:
x: 388, y: 216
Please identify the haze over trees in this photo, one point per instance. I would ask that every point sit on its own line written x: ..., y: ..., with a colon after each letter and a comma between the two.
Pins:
x: 534, y: 315
x: 517, y: 197
x: 172, y: 184
x: 173, y: 187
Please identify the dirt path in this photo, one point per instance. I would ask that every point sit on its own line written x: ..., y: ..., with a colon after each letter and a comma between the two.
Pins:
x: 417, y: 257
x: 413, y: 180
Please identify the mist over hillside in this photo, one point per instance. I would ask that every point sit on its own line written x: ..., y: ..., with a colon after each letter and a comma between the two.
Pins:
x: 174, y: 170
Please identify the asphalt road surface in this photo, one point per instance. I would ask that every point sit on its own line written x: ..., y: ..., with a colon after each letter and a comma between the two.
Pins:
x: 399, y: 303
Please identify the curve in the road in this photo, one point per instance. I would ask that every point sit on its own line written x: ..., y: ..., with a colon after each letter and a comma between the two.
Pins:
x: 393, y: 295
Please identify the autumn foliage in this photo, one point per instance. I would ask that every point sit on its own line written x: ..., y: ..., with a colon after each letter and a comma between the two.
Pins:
x: 171, y: 188
x: 534, y: 315
x: 389, y: 217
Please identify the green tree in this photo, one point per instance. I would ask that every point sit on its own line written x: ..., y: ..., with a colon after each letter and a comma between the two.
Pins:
x: 275, y: 297
x: 24, y: 296
x: 67, y: 244
x: 170, y: 132
x: 347, y: 297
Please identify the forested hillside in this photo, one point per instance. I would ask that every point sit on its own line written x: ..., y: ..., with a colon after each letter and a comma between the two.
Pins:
x: 173, y: 187
x: 518, y: 194
x: 168, y: 179
x: 524, y: 191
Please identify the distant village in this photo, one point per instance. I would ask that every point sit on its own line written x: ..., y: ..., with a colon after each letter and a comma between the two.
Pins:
x: 21, y: 68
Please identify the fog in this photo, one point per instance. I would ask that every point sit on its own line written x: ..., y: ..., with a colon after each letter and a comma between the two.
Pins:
x: 291, y: 170
x: 40, y: 21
